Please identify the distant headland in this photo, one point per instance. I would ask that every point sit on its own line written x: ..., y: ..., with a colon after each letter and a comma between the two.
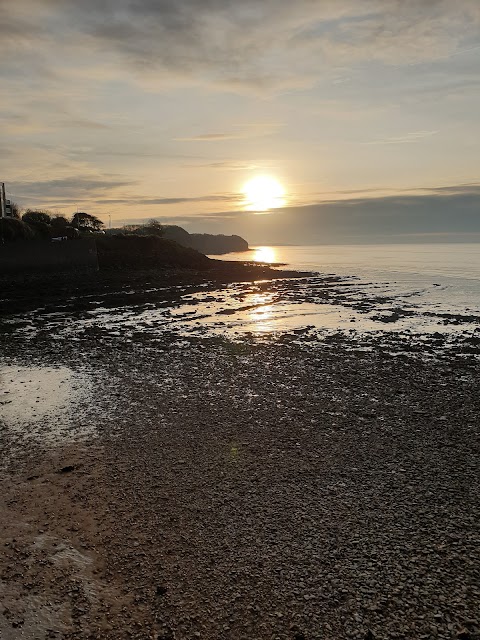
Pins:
x: 206, y: 243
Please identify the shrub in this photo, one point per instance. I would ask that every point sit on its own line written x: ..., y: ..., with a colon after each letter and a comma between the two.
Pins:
x: 59, y: 222
x: 12, y: 230
x: 33, y: 218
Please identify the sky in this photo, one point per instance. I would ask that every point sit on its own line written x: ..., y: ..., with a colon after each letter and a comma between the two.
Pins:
x: 365, y: 111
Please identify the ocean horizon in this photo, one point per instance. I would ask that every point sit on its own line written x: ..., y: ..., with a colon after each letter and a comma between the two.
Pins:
x: 449, y: 259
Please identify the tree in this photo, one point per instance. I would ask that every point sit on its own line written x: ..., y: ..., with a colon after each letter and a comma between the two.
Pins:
x: 154, y: 228
x: 86, y: 222
x: 33, y: 218
x: 59, y: 222
x: 15, y: 210
x: 62, y: 227
x: 39, y: 222
x: 130, y: 228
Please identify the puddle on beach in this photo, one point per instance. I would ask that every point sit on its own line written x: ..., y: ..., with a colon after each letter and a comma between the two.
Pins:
x: 41, y: 402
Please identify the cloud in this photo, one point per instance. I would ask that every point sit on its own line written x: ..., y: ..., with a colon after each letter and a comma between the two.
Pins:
x: 251, y: 130
x: 413, y: 136
x: 136, y: 153
x: 210, y: 137
x: 228, y: 165
x: 261, y: 45
x: 375, y: 194
x: 34, y: 119
x: 84, y: 123
x: 471, y: 188
x: 233, y: 198
x: 74, y: 187
x: 17, y: 123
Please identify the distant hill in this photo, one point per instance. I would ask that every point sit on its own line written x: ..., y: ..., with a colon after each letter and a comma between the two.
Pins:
x: 206, y: 243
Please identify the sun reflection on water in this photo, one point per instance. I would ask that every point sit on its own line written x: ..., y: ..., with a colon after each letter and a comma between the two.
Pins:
x: 264, y: 254
x: 262, y: 314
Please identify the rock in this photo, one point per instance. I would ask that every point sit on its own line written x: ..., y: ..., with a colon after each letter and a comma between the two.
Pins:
x: 67, y: 469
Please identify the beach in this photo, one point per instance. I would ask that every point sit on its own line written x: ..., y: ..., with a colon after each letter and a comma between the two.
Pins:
x: 240, y: 320
x: 195, y: 484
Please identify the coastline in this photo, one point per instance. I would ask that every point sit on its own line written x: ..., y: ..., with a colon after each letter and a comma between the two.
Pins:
x: 297, y: 488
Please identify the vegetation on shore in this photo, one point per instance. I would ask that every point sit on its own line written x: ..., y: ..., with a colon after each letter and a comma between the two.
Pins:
x: 135, y: 248
x: 41, y: 225
x: 146, y: 246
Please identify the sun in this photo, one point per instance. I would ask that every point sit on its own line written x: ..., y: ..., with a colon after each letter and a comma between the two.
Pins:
x: 263, y: 193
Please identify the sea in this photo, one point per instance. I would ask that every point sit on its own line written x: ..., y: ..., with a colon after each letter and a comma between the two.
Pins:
x: 389, y: 287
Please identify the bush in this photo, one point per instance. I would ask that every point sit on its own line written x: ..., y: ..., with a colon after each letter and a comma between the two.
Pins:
x: 59, y: 222
x: 33, y: 218
x: 41, y: 230
x: 15, y: 210
x: 61, y: 227
x: 12, y: 230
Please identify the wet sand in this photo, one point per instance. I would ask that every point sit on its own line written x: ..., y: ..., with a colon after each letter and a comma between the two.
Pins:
x: 302, y: 487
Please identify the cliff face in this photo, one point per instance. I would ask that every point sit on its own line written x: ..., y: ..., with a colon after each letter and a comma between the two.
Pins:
x: 206, y: 242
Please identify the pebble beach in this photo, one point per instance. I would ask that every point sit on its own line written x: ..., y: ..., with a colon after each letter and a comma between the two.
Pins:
x: 300, y: 486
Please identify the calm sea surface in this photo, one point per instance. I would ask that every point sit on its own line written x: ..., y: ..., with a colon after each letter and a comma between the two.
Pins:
x: 407, y: 261
x: 445, y: 277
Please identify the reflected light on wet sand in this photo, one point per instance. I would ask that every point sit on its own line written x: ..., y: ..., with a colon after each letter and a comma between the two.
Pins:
x: 264, y: 254
x: 261, y: 317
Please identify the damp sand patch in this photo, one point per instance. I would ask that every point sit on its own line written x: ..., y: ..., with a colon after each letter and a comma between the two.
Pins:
x: 44, y: 402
